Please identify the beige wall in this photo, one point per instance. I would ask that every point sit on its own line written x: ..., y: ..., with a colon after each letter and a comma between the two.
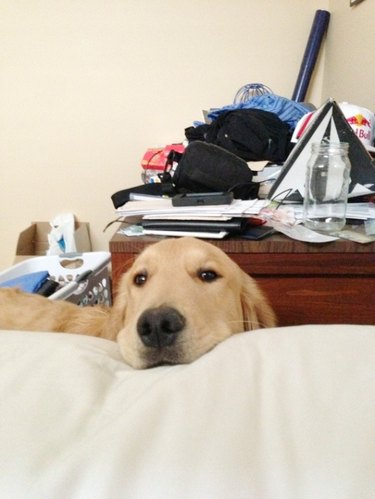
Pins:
x: 87, y: 85
x: 349, y: 73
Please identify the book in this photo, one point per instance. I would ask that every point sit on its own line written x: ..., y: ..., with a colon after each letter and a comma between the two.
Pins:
x: 229, y: 226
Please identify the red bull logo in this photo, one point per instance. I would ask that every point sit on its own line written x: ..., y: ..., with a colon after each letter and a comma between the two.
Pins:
x: 362, y: 122
x: 361, y: 126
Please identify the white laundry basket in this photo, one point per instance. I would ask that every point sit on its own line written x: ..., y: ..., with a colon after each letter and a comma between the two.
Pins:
x: 83, y: 277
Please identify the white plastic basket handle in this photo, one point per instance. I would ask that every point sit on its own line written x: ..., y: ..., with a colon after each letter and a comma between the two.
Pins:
x: 76, y: 256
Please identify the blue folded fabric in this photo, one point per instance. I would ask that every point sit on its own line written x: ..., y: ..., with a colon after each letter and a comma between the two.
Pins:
x: 286, y: 109
x: 30, y: 283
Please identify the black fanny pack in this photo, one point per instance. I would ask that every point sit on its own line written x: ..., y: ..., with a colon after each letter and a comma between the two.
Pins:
x: 202, y: 167
x: 208, y: 168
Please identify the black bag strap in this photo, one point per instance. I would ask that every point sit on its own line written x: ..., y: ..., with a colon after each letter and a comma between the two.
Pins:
x: 156, y: 189
x: 164, y: 188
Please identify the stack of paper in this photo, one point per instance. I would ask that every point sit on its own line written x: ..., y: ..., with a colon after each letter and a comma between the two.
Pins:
x: 159, y: 216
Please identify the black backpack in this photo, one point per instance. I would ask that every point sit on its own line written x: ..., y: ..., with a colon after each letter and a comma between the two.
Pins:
x: 251, y: 134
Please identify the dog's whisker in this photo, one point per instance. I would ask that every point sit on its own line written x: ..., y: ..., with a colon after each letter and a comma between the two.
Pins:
x: 249, y: 324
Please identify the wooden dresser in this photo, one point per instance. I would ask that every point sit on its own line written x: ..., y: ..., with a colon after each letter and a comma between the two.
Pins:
x: 306, y: 283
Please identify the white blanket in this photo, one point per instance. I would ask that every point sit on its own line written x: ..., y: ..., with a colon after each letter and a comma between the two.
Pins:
x: 274, y: 414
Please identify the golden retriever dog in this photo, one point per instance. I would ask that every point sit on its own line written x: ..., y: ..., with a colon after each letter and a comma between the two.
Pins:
x: 179, y: 299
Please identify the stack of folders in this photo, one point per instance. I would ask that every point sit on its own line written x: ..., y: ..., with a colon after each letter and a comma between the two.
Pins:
x: 160, y: 217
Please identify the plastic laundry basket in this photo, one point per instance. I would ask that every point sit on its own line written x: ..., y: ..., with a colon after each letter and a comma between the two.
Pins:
x: 83, y: 277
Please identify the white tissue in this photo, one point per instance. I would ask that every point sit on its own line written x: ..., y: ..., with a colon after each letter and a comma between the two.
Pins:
x: 61, y: 238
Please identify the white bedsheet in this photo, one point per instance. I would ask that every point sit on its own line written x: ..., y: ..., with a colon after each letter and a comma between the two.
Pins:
x: 280, y: 413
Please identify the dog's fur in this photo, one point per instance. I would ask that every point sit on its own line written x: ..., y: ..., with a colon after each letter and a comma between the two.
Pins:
x: 179, y: 299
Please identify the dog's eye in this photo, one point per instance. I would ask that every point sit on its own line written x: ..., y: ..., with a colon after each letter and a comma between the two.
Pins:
x: 208, y: 275
x: 140, y: 278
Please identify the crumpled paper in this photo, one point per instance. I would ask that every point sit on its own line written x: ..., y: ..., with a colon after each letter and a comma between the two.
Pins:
x: 61, y: 238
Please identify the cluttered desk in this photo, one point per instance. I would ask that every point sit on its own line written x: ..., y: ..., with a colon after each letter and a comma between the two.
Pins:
x: 310, y: 276
x: 302, y: 223
x: 306, y: 283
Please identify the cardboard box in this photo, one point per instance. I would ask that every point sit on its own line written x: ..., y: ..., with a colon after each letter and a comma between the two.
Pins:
x: 33, y: 241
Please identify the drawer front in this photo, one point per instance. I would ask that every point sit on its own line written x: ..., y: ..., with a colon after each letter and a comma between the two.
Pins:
x: 321, y: 300
x: 306, y: 263
x: 324, y: 288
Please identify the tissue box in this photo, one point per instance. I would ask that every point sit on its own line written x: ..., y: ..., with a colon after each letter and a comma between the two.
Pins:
x: 33, y: 241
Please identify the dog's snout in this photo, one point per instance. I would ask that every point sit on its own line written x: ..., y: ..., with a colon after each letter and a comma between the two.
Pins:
x: 159, y: 327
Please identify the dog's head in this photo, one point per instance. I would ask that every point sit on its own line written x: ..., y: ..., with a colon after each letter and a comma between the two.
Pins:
x: 180, y: 298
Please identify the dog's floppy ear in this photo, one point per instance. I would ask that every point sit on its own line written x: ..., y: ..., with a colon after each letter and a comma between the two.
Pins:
x: 257, y: 313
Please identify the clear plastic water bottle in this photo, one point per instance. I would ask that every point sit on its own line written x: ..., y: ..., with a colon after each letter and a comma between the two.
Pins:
x: 326, y: 187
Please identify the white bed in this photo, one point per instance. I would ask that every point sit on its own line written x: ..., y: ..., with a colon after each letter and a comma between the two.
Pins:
x: 280, y: 413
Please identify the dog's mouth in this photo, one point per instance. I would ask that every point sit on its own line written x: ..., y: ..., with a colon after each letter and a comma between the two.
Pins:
x: 162, y: 363
x: 162, y: 358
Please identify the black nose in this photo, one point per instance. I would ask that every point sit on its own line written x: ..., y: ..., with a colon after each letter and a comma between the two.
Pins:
x: 159, y: 327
